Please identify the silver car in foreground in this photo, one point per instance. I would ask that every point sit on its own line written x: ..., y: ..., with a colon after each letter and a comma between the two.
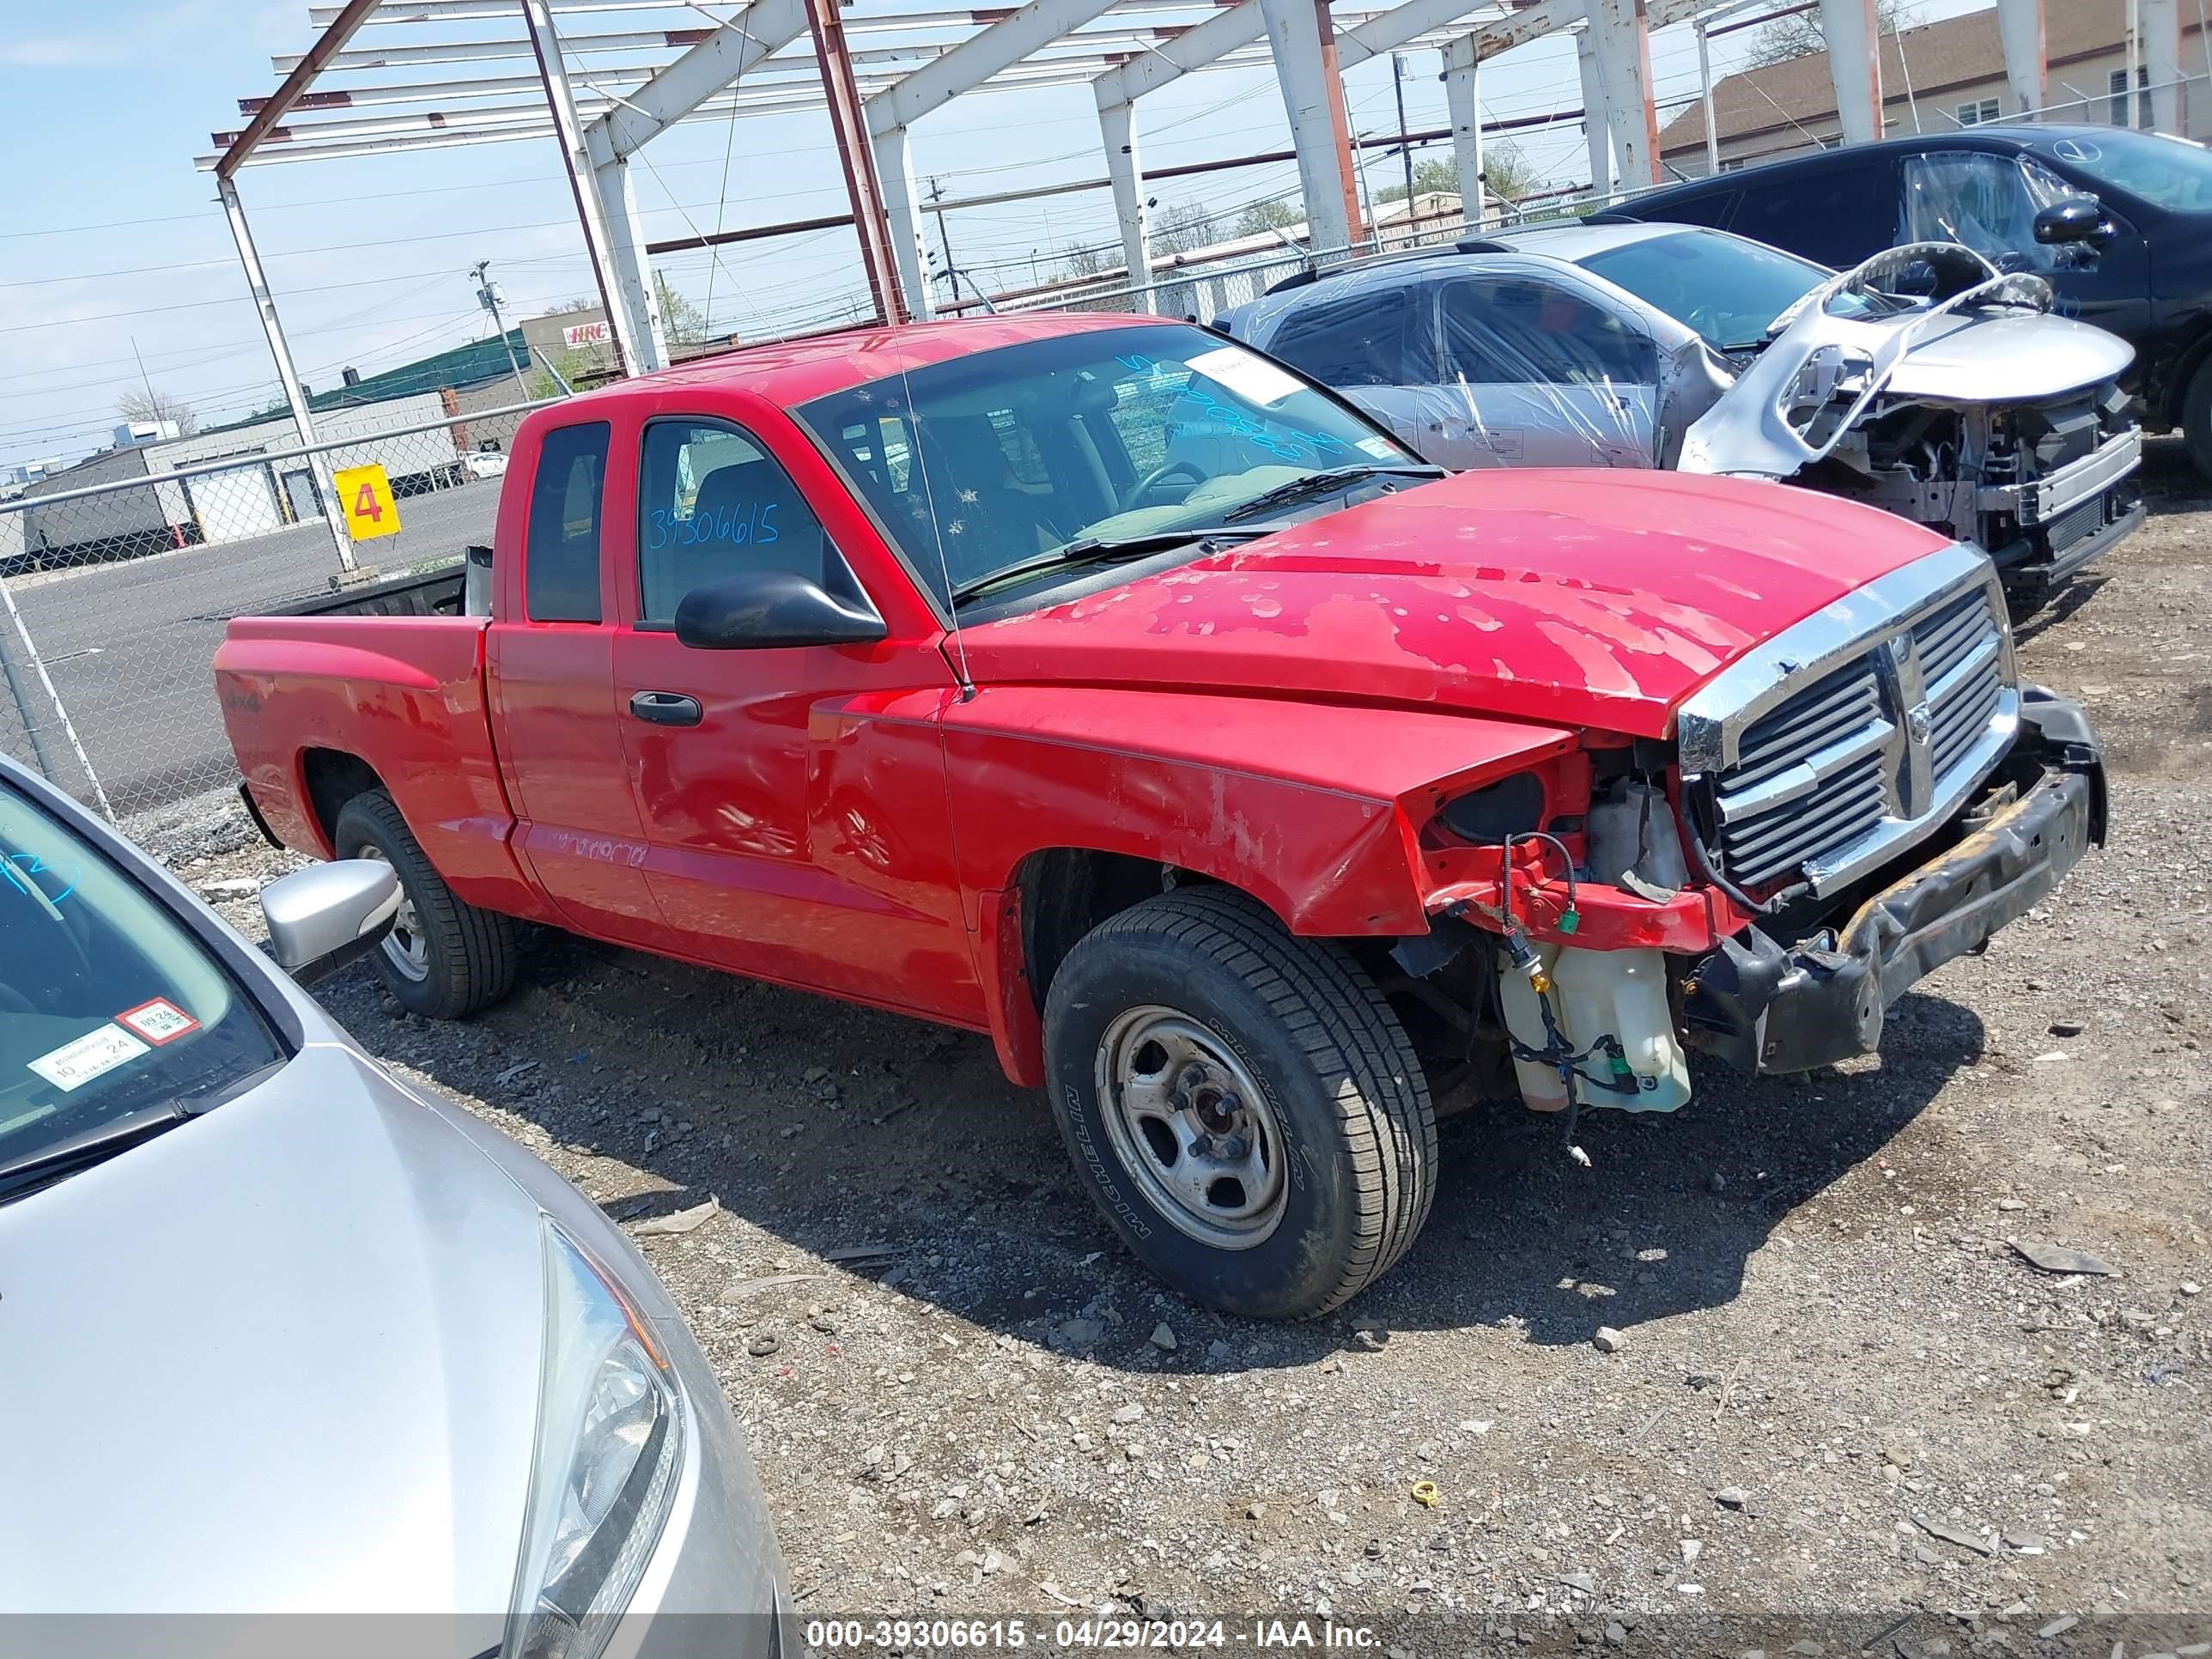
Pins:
x: 1961, y: 403
x: 279, y: 1336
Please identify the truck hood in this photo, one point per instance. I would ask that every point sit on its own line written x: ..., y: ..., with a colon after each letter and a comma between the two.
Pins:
x: 1581, y: 598
x: 282, y: 1359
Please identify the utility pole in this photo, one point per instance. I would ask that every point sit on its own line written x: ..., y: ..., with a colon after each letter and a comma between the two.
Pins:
x: 487, y: 297
x: 944, y: 237
x: 1405, y: 146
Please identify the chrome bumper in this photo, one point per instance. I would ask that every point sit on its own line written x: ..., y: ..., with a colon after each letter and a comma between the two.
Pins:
x: 2041, y: 500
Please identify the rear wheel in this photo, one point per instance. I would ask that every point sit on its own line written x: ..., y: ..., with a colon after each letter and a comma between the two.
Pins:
x: 444, y: 958
x: 2197, y: 417
x: 1243, y: 1105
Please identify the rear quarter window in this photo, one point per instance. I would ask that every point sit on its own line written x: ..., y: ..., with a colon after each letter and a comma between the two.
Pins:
x: 560, y: 550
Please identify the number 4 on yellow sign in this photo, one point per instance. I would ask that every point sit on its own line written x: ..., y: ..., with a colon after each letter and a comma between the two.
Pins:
x: 366, y: 495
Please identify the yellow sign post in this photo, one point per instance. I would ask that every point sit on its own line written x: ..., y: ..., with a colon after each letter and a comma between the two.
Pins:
x: 365, y: 496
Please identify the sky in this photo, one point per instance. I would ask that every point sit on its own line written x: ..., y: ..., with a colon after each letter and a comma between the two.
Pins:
x: 113, y: 252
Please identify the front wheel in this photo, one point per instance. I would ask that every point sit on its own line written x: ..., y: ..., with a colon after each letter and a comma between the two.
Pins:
x: 1242, y: 1104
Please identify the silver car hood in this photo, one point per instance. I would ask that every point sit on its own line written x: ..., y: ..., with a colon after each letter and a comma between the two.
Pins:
x: 1990, y: 342
x: 283, y: 1358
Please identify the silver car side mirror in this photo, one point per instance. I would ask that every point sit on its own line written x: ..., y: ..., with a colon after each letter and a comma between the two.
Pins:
x: 322, y: 917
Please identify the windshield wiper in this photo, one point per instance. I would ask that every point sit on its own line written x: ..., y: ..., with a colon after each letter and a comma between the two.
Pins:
x: 1323, y: 483
x: 1090, y: 550
x: 93, y: 1147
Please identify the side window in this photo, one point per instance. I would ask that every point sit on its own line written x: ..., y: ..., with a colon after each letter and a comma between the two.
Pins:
x: 1837, y: 215
x: 561, y: 547
x: 711, y: 502
x: 1987, y: 202
x: 1358, y: 339
x: 1504, y: 331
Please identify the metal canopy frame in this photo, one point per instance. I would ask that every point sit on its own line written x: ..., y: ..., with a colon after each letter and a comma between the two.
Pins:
x: 605, y: 91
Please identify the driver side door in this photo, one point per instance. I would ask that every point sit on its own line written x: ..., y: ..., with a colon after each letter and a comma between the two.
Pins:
x: 793, y: 798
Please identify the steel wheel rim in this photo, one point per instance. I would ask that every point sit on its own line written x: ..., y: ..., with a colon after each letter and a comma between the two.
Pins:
x: 404, y: 947
x: 1192, y: 1127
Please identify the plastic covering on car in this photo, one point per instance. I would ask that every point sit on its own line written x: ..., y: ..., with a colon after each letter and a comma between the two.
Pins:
x: 1823, y: 370
x: 1987, y: 202
x: 1503, y: 362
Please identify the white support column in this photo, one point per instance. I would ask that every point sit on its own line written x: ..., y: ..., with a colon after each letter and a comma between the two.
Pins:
x: 264, y: 307
x: 1855, y: 65
x: 636, y: 291
x: 1597, y: 129
x: 1117, y: 128
x: 1463, y: 102
x: 895, y: 178
x: 553, y: 71
x: 1313, y: 98
x: 2160, y: 21
x: 2027, y: 68
x: 1622, y: 38
x: 1705, y: 98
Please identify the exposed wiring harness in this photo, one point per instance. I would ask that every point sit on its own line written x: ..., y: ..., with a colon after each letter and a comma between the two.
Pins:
x: 1557, y: 1054
x: 1742, y: 900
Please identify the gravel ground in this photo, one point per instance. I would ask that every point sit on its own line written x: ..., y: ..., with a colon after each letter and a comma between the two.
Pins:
x: 1837, y: 1388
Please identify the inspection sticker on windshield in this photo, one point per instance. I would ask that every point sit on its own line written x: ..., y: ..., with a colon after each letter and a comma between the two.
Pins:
x: 1250, y: 376
x: 159, y: 1021
x: 90, y: 1055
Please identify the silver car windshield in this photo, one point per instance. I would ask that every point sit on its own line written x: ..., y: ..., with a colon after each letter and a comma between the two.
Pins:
x: 1109, y: 436
x: 109, y: 1008
x: 1730, y: 290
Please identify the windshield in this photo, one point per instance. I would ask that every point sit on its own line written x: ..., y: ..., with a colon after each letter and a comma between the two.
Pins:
x: 108, y: 1006
x: 1729, y: 289
x: 1106, y: 436
x: 2167, y: 173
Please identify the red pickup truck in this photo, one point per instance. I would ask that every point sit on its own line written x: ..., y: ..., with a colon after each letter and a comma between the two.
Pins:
x: 1101, y: 685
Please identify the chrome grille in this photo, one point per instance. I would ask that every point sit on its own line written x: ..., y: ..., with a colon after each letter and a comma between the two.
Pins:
x: 1859, y: 729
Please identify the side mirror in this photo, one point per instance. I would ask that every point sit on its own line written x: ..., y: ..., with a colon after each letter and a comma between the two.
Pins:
x: 2077, y: 219
x: 763, y: 609
x: 322, y: 917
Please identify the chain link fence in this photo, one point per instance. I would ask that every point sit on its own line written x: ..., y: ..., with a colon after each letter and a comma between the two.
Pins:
x: 118, y: 576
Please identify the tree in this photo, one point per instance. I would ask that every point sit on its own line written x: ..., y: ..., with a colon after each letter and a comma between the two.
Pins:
x: 1182, y: 227
x: 570, y: 364
x: 1261, y: 217
x: 1430, y: 178
x: 685, y: 322
x: 155, y: 404
x: 589, y: 302
x: 1799, y: 34
x: 1508, y: 174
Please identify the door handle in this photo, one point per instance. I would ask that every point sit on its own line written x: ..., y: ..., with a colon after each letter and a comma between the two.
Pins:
x: 665, y: 708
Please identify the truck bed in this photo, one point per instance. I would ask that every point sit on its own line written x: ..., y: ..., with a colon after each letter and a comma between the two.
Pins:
x: 307, y: 700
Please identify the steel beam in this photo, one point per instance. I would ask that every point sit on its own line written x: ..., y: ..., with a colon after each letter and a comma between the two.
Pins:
x: 639, y: 294
x: 976, y: 59
x: 1387, y: 31
x: 1303, y: 39
x: 1462, y: 101
x: 1597, y: 124
x: 849, y: 123
x: 1854, y: 66
x: 1620, y: 32
x: 295, y: 397
x: 2027, y: 56
x: 1117, y: 126
x: 2158, y: 23
x: 704, y: 69
x: 630, y: 349
x: 902, y: 217
x: 328, y: 45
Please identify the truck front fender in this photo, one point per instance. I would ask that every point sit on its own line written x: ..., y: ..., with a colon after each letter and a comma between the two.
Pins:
x: 1313, y: 809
